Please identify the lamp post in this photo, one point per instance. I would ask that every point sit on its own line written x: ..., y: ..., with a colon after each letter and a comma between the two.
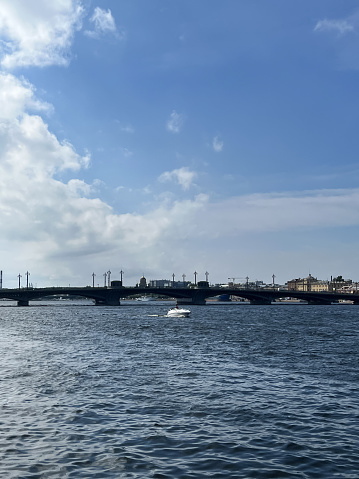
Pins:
x: 93, y: 280
x: 19, y: 276
x: 27, y: 279
x: 195, y: 278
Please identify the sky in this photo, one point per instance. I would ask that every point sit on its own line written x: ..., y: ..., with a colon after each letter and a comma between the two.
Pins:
x: 167, y: 137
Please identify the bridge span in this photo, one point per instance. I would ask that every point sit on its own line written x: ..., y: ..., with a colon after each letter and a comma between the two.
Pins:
x: 111, y: 296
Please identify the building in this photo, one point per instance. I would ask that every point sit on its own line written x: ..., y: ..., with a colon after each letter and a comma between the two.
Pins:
x: 321, y: 286
x: 313, y: 284
x: 143, y: 282
x: 307, y: 284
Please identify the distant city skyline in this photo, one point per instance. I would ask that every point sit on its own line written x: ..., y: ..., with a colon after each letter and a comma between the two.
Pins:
x: 154, y: 136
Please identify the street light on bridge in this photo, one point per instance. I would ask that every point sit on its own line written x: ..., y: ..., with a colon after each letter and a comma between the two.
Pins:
x: 27, y: 274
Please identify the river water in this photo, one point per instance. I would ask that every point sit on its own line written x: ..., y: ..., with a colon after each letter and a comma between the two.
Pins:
x: 234, y: 391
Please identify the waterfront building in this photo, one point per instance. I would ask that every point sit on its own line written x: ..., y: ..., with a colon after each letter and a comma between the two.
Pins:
x: 310, y: 283
x: 320, y: 285
x: 306, y: 284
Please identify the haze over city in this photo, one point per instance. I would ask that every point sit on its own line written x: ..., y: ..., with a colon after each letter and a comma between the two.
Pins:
x: 164, y: 138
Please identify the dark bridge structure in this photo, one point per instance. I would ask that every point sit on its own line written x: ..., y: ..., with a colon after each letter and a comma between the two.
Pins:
x: 111, y: 296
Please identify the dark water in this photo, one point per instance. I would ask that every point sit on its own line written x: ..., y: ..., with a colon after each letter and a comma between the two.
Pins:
x: 232, y: 392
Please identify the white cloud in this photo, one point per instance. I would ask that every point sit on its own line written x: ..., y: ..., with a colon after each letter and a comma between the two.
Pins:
x: 283, y: 211
x: 103, y: 23
x: 37, y: 32
x: 46, y: 223
x: 17, y: 95
x: 127, y: 129
x: 175, y: 122
x: 344, y: 31
x: 183, y: 176
x: 217, y: 144
x: 339, y: 26
x: 126, y: 152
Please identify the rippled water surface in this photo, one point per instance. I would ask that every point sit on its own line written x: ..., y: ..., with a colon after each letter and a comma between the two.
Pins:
x: 235, y: 391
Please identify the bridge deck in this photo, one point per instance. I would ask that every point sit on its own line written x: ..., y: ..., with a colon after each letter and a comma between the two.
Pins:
x: 112, y: 296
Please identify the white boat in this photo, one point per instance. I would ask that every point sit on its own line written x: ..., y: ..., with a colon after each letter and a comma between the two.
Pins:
x: 177, y: 312
x: 146, y: 298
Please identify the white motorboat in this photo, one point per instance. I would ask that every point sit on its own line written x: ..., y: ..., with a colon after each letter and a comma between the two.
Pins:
x: 177, y: 312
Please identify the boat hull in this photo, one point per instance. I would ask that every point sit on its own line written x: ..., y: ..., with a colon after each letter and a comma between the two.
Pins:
x: 178, y: 313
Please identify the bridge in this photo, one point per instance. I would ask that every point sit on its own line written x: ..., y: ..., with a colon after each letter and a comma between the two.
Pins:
x: 111, y: 296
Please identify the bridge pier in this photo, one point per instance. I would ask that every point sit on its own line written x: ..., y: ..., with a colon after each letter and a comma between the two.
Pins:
x: 110, y: 298
x: 107, y: 302
x: 23, y: 302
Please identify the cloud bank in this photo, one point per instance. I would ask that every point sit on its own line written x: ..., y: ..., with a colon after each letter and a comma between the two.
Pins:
x: 38, y: 33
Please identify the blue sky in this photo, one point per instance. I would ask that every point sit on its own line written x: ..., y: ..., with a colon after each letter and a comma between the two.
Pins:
x: 166, y: 137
